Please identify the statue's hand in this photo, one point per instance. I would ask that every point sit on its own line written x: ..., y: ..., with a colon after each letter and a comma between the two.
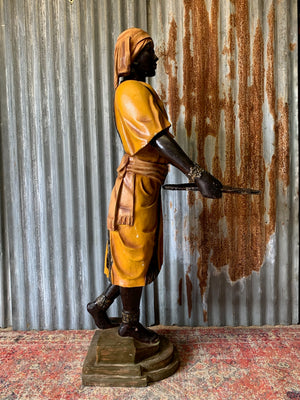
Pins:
x: 209, y: 186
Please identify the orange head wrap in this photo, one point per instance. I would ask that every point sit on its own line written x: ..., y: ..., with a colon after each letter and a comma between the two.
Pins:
x: 129, y: 44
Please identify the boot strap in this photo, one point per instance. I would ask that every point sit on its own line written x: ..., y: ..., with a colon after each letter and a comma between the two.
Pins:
x: 130, y: 318
x: 103, y: 302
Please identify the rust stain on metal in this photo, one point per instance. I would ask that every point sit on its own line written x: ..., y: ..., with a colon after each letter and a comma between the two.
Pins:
x: 243, y: 245
x: 270, y: 87
x: 191, y: 239
x: 171, y: 67
x: 191, y: 198
x: 271, y: 97
x: 189, y: 289
x: 282, y: 142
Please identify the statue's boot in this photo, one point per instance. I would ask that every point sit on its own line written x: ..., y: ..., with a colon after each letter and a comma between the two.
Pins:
x: 98, y: 307
x: 130, y: 326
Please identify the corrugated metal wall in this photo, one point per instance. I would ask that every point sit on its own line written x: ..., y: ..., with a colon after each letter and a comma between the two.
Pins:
x: 228, y: 76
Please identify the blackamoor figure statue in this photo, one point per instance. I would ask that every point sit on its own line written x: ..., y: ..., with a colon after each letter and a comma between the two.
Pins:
x: 134, y: 249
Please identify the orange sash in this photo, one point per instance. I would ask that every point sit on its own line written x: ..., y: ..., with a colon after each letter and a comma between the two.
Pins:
x: 121, y: 206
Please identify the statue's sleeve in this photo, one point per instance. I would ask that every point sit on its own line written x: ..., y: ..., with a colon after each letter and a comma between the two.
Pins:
x: 139, y: 114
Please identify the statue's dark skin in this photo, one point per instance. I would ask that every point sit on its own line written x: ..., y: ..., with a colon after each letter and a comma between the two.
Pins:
x: 144, y: 66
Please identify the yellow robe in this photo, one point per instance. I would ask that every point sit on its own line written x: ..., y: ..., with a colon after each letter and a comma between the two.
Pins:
x: 135, y: 249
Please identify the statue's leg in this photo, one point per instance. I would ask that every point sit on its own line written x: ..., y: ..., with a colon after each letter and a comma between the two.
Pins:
x: 130, y: 325
x: 98, y: 307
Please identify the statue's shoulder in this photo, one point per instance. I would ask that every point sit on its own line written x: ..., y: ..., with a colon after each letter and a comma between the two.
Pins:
x: 132, y: 92
x: 132, y: 87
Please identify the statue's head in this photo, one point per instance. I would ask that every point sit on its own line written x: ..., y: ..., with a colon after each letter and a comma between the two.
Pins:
x: 134, y: 51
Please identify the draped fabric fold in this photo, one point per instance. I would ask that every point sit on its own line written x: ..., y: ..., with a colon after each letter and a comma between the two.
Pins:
x: 121, y: 207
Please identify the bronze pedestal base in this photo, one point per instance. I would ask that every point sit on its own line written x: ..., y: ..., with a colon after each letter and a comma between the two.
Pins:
x: 116, y: 361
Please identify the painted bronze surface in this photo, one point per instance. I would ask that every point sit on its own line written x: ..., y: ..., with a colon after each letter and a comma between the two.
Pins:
x: 134, y: 251
x: 124, y: 362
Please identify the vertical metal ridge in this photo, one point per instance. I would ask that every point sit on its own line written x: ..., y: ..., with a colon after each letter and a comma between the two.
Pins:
x: 5, y: 271
x: 294, y: 167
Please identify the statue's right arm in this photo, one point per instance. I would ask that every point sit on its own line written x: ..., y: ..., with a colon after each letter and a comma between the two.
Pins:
x: 208, y: 185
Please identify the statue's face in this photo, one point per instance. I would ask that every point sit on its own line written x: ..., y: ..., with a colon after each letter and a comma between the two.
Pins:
x: 146, y: 60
